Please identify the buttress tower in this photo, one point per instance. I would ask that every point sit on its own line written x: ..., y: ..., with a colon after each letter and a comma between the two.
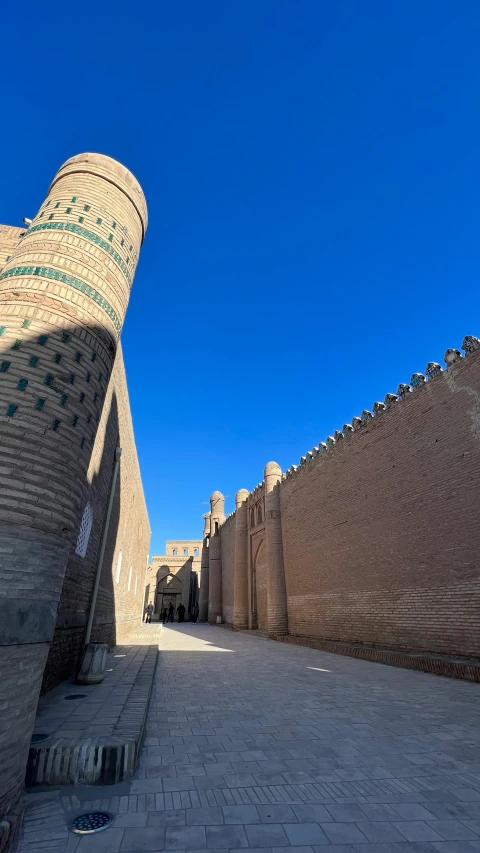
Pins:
x: 64, y: 291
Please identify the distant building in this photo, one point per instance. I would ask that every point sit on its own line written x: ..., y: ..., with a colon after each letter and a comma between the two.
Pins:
x: 174, y: 577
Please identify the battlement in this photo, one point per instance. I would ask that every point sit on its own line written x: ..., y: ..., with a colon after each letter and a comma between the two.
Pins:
x: 433, y: 370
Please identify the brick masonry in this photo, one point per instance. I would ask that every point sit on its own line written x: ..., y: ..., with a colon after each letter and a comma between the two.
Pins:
x: 64, y: 287
x: 95, y: 740
x: 380, y: 530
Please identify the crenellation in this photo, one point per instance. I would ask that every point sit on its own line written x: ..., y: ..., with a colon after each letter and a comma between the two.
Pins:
x: 470, y: 344
x: 451, y: 356
x: 432, y: 370
x: 417, y: 380
x: 403, y: 390
x: 379, y: 408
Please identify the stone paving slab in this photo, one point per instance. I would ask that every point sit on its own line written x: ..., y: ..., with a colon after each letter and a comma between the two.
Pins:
x: 339, y: 756
x: 95, y: 731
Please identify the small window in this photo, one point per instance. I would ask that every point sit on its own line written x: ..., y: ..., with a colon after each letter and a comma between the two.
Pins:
x: 119, y: 567
x: 78, y: 356
x: 17, y: 344
x: 110, y: 237
x: 57, y: 205
x: 94, y: 355
x: 82, y: 441
x: 86, y: 207
x: 74, y: 199
x: 122, y: 242
x: 252, y: 518
x: 216, y: 527
x: 63, y: 399
x: 81, y: 219
x: 99, y: 221
x: 75, y: 420
x: 57, y: 358
x: 2, y: 330
x: 48, y: 379
x: 84, y: 532
x: 185, y: 552
x: 4, y: 366
x: 72, y: 379
x: 40, y: 404
x: 22, y: 384
x: 88, y: 377
x: 68, y: 210
x: 259, y: 514
x: 33, y: 361
x: 174, y: 552
x: 130, y: 249
x: 56, y: 425
x: 11, y: 410
x: 26, y: 324
x: 43, y: 340
x: 65, y: 337
x: 51, y: 216
x: 195, y: 552
x: 114, y: 224
x: 82, y: 397
x: 48, y: 202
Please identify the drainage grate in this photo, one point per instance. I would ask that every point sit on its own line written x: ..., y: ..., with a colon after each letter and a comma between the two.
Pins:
x: 86, y: 824
x: 76, y: 696
x: 39, y: 736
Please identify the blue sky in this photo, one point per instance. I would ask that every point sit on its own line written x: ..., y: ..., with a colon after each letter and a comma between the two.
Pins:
x: 312, y: 173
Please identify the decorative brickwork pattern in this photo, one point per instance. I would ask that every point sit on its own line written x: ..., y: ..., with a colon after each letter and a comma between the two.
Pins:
x: 63, y: 298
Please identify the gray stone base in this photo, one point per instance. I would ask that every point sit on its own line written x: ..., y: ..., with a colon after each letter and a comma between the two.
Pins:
x: 436, y: 664
x: 95, y: 740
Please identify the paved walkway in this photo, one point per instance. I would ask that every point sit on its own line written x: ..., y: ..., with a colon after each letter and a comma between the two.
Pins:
x: 251, y: 743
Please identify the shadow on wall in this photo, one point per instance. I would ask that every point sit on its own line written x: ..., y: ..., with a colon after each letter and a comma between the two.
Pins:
x: 64, y: 401
x: 73, y: 612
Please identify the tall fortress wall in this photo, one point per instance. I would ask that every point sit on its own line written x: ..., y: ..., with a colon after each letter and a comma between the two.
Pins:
x: 65, y: 283
x: 373, y: 539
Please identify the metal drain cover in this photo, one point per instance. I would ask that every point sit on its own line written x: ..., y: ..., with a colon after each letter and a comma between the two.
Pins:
x: 39, y: 736
x: 76, y: 696
x: 90, y: 822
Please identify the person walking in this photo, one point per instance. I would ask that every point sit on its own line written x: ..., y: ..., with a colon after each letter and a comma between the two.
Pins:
x: 148, y: 617
x: 171, y: 612
x: 164, y: 615
x: 195, y: 610
x: 181, y: 612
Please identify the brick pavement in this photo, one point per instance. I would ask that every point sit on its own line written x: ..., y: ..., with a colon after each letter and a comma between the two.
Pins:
x: 95, y: 731
x: 255, y: 744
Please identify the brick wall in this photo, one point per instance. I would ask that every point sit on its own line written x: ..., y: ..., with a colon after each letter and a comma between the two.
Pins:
x: 260, y: 577
x: 381, y: 532
x: 120, y: 597
x: 227, y: 536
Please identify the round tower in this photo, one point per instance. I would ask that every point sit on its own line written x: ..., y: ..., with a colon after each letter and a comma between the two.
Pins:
x: 204, y: 570
x: 64, y: 292
x: 240, y: 610
x: 217, y: 510
x: 276, y: 591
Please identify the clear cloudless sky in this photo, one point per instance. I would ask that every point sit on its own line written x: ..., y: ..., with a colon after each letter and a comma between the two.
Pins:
x: 312, y: 172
